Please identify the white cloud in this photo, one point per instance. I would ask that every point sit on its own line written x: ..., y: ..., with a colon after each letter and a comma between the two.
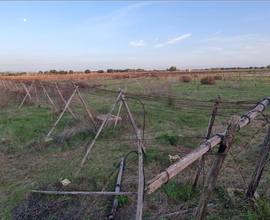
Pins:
x: 267, y: 44
x: 214, y: 48
x: 249, y: 47
x: 197, y: 51
x: 24, y: 19
x: 137, y: 44
x: 219, y: 32
x: 172, y: 41
x: 230, y: 39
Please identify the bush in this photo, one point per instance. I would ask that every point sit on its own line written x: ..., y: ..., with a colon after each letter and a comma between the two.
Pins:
x: 100, y: 71
x: 218, y: 77
x: 208, y: 80
x: 186, y: 79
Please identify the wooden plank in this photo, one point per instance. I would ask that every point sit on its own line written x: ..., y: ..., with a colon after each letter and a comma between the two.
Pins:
x: 46, y: 94
x: 117, y: 190
x: 173, y: 170
x: 207, y: 136
x: 262, y: 160
x: 99, y: 131
x: 57, y: 88
x: 68, y: 102
x: 86, y: 107
x: 216, y: 167
x: 27, y: 92
x: 132, y: 121
x: 141, y: 179
x: 86, y: 193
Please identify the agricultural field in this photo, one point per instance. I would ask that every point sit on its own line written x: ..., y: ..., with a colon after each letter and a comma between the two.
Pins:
x: 172, y: 112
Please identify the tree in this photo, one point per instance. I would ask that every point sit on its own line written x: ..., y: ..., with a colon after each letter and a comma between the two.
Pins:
x: 53, y: 72
x: 268, y: 66
x: 70, y: 72
x: 87, y: 71
x: 40, y: 72
x: 173, y: 68
x: 100, y: 71
x: 110, y: 71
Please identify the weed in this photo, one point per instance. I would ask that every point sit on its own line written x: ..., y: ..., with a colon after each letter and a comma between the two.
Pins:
x: 122, y: 200
x: 165, y: 138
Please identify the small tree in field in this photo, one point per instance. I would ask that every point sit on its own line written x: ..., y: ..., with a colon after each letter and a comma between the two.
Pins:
x: 87, y: 71
x: 268, y: 66
x: 70, y: 72
x: 40, y: 72
x: 100, y: 71
x: 173, y: 68
x: 110, y: 71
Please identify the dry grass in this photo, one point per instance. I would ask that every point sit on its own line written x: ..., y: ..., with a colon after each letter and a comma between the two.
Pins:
x: 208, y: 80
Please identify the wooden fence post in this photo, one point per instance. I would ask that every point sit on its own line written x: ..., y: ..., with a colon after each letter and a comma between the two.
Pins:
x: 27, y: 92
x: 216, y: 167
x: 263, y: 159
x: 141, y: 179
x: 207, y: 136
x: 57, y: 88
x: 97, y: 134
x: 46, y: 93
x: 86, y: 107
x: 121, y: 103
x: 67, y: 104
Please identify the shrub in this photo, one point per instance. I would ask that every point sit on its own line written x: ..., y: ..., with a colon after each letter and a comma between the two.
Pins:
x: 218, y: 77
x: 186, y: 79
x: 208, y: 80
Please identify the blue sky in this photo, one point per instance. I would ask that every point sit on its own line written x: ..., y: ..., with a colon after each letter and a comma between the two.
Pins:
x: 67, y: 35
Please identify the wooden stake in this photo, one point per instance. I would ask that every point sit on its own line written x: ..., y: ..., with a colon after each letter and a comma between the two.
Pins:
x: 86, y: 193
x: 262, y: 160
x: 97, y: 134
x: 121, y: 103
x: 27, y: 92
x: 86, y: 107
x: 46, y: 93
x: 132, y: 121
x: 117, y: 189
x: 141, y: 179
x: 207, y: 136
x: 57, y: 88
x: 216, y: 167
x: 177, y: 167
x: 67, y: 104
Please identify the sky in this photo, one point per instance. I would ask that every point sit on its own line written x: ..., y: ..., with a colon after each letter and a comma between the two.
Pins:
x: 95, y: 35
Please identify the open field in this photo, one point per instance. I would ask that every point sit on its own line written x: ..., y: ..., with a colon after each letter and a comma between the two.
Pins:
x: 176, y: 120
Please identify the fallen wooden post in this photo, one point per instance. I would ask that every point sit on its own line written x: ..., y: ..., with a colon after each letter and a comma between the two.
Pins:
x: 117, y: 189
x: 216, y: 167
x: 86, y: 193
x: 262, y: 160
x: 27, y: 92
x: 48, y: 135
x: 141, y: 179
x: 97, y: 134
x: 86, y: 107
x: 173, y: 170
x: 46, y: 94
x: 57, y: 88
x: 207, y: 136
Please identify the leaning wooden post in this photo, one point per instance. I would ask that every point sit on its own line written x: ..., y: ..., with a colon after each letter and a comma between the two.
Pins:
x: 121, y: 103
x: 216, y: 167
x: 97, y: 134
x: 207, y: 136
x: 57, y: 88
x: 86, y: 107
x: 117, y: 189
x: 263, y: 159
x: 27, y: 92
x: 46, y: 93
x: 48, y: 135
x: 141, y: 179
x: 132, y: 121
